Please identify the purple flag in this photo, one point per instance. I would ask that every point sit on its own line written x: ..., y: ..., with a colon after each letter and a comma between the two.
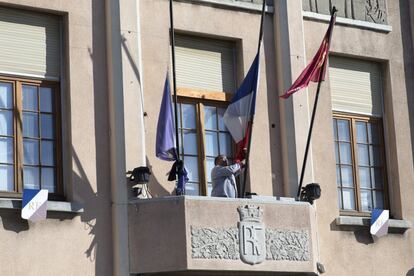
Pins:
x: 165, y: 143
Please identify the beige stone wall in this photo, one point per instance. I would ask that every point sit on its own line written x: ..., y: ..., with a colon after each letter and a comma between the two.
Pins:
x: 295, y: 43
x: 238, y: 25
x: 63, y: 244
x: 353, y: 252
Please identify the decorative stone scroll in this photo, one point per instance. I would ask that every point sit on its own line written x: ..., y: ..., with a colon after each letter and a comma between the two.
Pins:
x: 287, y: 245
x: 215, y: 243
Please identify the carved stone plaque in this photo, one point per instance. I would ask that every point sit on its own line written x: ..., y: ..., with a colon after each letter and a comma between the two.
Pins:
x: 374, y: 11
x: 251, y: 242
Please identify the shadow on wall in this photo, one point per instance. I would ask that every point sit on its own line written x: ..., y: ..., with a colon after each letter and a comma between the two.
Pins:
x: 96, y: 218
x: 408, y: 54
x: 362, y: 235
x: 272, y: 105
x: 96, y: 195
x: 156, y: 189
x: 12, y: 221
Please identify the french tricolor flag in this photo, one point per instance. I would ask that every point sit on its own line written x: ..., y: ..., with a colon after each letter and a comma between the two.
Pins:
x: 238, y: 115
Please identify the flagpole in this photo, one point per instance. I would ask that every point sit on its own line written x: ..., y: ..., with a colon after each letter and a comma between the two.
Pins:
x: 315, y: 105
x: 172, y: 37
x: 250, y: 128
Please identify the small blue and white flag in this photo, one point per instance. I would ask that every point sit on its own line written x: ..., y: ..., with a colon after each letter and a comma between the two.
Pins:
x: 34, y: 205
x: 379, y: 222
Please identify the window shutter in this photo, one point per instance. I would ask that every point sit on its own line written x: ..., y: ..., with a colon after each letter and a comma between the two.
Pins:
x: 205, y: 64
x: 29, y: 43
x: 355, y: 86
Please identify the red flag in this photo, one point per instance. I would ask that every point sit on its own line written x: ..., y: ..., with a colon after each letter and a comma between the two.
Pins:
x: 313, y: 72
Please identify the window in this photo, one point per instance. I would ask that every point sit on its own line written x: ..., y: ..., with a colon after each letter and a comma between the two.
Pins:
x: 28, y: 135
x: 30, y: 62
x: 360, y: 164
x: 203, y: 136
x: 205, y: 72
x: 358, y: 134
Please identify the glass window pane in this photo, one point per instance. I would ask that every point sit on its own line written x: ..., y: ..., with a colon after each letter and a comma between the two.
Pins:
x: 361, y: 130
x: 378, y: 200
x: 347, y: 178
x: 345, y: 152
x: 364, y: 177
x: 363, y: 159
x: 192, y: 189
x: 30, y: 124
x: 336, y: 152
x: 31, y: 178
x: 335, y: 130
x: 338, y: 175
x: 366, y: 200
x: 339, y: 199
x: 211, y: 143
x: 348, y: 198
x: 375, y: 155
x: 179, y: 114
x: 6, y: 95
x: 377, y: 178
x: 189, y: 116
x: 210, y: 118
x: 220, y: 113
x: 47, y: 126
x: 6, y: 178
x: 210, y: 166
x: 48, y: 179
x: 373, y: 133
x: 48, y: 153
x: 46, y: 99
x: 191, y: 163
x: 343, y: 130
x: 225, y: 144
x: 30, y: 97
x: 190, y: 142
x: 6, y: 150
x: 6, y: 123
x: 31, y: 152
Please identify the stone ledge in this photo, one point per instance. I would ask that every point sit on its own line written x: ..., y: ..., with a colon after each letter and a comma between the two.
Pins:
x: 52, y: 206
x: 395, y: 226
x: 348, y: 22
x: 237, y: 5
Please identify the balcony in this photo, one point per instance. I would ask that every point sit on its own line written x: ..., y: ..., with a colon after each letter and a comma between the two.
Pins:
x: 215, y: 236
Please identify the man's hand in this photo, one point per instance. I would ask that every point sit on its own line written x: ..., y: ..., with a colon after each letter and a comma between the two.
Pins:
x: 243, y: 163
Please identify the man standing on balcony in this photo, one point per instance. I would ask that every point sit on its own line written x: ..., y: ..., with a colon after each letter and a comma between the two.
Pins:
x: 222, y: 175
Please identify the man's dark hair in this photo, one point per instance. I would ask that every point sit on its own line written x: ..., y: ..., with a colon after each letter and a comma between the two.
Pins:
x: 220, y: 156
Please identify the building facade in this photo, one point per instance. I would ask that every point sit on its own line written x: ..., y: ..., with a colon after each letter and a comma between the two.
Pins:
x: 81, y: 84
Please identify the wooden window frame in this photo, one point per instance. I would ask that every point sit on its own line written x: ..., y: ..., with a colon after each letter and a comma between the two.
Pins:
x: 17, y: 83
x: 353, y: 141
x: 200, y: 98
